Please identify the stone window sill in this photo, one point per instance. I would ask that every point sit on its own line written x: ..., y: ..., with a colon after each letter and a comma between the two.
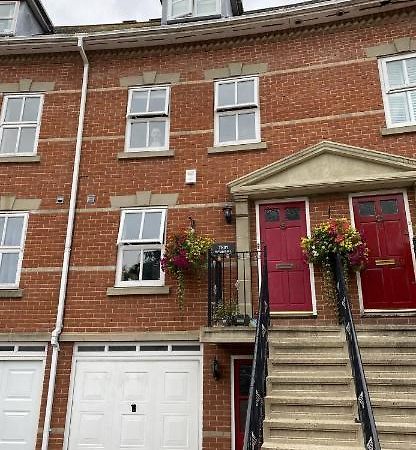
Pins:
x: 138, y: 290
x: 11, y: 293
x: 238, y: 148
x: 146, y: 154
x: 19, y: 159
x: 398, y: 130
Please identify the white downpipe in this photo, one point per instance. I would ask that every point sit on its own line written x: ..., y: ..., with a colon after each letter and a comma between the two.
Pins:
x: 67, y: 252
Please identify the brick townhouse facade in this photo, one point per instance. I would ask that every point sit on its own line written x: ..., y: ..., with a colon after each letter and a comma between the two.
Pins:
x: 289, y: 115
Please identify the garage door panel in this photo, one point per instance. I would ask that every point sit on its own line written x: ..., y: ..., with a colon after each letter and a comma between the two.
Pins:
x: 175, y: 431
x: 146, y: 405
x: 20, y: 392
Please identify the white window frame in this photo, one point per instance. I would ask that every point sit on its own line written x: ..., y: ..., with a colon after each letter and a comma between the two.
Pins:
x: 192, y: 10
x: 386, y: 90
x: 140, y: 244
x: 9, y: 249
x: 159, y: 116
x: 14, y: 19
x: 235, y: 110
x: 4, y: 125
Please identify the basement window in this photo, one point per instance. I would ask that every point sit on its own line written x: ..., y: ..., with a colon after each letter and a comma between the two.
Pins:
x: 8, y: 16
x: 398, y: 79
x: 20, y: 124
x: 140, y: 247
x: 181, y: 9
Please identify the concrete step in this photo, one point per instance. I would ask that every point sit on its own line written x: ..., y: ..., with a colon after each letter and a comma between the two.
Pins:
x: 314, y: 432
x: 294, y: 446
x: 310, y: 332
x: 325, y: 385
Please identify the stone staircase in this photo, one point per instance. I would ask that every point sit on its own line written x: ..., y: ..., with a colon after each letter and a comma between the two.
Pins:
x: 389, y: 357
x: 310, y: 402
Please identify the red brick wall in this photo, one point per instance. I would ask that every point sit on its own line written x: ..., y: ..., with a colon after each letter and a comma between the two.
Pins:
x: 319, y: 86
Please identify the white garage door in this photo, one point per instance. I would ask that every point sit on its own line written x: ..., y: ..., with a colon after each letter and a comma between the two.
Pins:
x: 20, y: 393
x: 135, y: 404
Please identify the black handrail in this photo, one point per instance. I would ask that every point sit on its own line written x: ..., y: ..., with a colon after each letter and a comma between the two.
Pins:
x: 365, y: 410
x: 253, y: 436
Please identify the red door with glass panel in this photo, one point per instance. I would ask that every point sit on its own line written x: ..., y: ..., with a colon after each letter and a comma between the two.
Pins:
x: 388, y: 282
x: 282, y: 225
x: 242, y: 377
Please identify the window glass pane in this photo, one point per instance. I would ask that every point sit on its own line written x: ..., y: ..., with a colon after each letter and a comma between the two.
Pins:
x: 27, y: 140
x: 181, y: 7
x: 151, y: 265
x: 411, y: 70
x: 14, y: 231
x: 130, y: 265
x: 243, y: 414
x: 131, y: 228
x: 151, y: 226
x: 157, y: 134
x: 412, y: 98
x: 8, y: 140
x: 244, y: 379
x: 139, y: 101
x: 2, y: 220
x: 245, y: 91
x: 13, y: 110
x: 292, y: 213
x: 227, y: 128
x: 5, y: 25
x: 395, y: 73
x: 271, y: 214
x: 389, y: 206
x: 157, y: 100
x: 206, y: 7
x: 226, y: 94
x: 367, y: 209
x: 7, y: 10
x: 399, y: 110
x: 138, y: 137
x: 31, y: 109
x: 246, y: 126
x: 8, y: 267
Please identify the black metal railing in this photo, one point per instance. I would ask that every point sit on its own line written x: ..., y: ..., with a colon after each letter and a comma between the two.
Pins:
x: 365, y: 411
x: 232, y: 287
x: 253, y: 435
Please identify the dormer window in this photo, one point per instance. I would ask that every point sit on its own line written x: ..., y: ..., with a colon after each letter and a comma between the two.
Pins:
x: 179, y: 9
x: 8, y: 15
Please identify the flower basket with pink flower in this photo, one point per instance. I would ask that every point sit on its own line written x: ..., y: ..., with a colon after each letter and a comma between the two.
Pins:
x: 185, y: 252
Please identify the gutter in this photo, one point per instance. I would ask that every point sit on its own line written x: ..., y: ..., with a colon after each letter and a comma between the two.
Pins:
x: 67, y: 252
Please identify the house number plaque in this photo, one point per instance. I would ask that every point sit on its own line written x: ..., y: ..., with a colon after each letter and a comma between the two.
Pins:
x: 224, y: 248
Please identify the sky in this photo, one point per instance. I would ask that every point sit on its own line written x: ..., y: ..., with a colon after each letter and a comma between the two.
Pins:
x: 80, y: 12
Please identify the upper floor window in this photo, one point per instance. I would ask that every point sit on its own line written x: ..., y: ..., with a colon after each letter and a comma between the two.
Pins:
x: 140, y: 245
x: 12, y: 238
x: 193, y: 8
x: 8, y: 15
x: 237, y: 117
x: 148, y: 119
x: 398, y: 76
x: 20, y: 124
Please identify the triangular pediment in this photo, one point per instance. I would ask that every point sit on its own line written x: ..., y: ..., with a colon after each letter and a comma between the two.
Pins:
x: 327, y: 166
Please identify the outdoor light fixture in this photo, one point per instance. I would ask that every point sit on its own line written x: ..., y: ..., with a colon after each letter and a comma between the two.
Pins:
x: 228, y: 213
x: 191, y: 223
x: 216, y: 372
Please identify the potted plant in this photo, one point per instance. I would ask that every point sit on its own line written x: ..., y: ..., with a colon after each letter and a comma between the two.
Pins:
x: 226, y: 313
x: 328, y: 238
x: 185, y: 252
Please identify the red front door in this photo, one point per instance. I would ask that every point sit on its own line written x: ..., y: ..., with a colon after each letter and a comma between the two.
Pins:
x: 388, y: 282
x: 242, y: 377
x: 282, y: 225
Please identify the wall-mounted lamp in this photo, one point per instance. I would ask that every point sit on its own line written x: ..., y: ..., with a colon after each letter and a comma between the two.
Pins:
x: 228, y: 213
x: 216, y: 371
